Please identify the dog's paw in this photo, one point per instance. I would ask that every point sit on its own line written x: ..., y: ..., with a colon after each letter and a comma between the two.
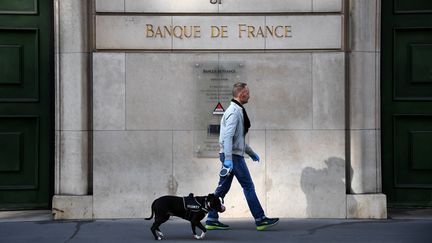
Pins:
x: 160, y: 234
x: 200, y: 237
x: 159, y: 238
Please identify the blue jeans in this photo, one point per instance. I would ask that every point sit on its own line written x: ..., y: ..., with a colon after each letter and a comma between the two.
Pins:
x: 241, y: 172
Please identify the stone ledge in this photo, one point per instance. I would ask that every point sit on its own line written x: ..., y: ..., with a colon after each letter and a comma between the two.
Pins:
x: 72, y: 207
x: 366, y: 206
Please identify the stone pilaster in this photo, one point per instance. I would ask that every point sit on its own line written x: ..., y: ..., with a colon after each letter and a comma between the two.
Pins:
x: 72, y: 162
x: 364, y: 115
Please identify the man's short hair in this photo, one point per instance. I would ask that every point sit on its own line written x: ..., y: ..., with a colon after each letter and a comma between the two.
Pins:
x: 238, y: 88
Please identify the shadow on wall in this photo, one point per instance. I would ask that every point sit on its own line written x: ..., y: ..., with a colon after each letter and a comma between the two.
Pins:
x: 325, y: 189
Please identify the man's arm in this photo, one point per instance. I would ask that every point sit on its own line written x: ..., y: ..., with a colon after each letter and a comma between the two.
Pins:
x: 230, y: 128
x: 248, y: 149
x: 251, y: 153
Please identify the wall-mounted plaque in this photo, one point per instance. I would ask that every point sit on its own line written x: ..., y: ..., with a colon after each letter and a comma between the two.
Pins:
x: 214, y: 81
x: 246, y: 32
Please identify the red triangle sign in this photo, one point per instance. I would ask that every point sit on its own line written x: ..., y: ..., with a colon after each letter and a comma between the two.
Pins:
x: 218, y: 110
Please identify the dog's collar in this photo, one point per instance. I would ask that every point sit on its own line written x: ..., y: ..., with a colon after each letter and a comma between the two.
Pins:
x: 206, y: 204
x: 207, y: 207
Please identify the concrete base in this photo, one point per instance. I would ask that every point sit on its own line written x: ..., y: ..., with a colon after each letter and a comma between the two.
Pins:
x: 72, y: 207
x: 23, y: 216
x: 366, y: 206
x: 410, y: 213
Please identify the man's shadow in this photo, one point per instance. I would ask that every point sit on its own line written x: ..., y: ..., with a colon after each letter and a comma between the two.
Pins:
x: 325, y: 189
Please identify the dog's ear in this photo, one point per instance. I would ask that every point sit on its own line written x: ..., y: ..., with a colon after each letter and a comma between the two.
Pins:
x: 211, y: 195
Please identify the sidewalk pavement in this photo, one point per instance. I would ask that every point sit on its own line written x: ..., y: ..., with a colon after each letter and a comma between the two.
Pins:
x: 242, y: 230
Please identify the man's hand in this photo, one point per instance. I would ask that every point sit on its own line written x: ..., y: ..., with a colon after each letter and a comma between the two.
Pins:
x: 255, y: 157
x: 226, y: 168
x: 228, y: 163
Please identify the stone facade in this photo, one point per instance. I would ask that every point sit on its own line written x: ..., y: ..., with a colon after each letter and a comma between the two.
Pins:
x: 125, y: 114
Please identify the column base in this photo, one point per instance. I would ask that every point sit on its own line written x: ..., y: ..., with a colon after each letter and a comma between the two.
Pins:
x: 72, y: 207
x: 366, y: 206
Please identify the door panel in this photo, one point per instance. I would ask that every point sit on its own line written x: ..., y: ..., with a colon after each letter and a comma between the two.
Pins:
x: 18, y: 7
x: 19, y: 65
x: 407, y: 102
x: 26, y: 104
x: 412, y: 6
x: 413, y: 135
x: 413, y: 67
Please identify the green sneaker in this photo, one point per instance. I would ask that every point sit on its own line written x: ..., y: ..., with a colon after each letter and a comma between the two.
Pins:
x: 216, y: 225
x: 266, y: 223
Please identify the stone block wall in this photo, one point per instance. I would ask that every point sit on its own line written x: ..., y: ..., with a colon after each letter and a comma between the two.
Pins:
x: 146, y: 150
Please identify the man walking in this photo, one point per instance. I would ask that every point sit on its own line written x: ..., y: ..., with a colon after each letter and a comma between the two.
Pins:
x: 234, y: 126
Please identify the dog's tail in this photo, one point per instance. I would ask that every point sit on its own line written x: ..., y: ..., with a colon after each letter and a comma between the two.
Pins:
x: 149, y: 217
x: 152, y: 213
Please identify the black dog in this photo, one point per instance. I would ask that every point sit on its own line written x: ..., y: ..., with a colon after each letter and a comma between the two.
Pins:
x: 190, y: 208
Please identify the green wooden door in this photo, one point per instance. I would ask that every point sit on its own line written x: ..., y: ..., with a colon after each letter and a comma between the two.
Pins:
x: 26, y: 104
x: 407, y: 102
